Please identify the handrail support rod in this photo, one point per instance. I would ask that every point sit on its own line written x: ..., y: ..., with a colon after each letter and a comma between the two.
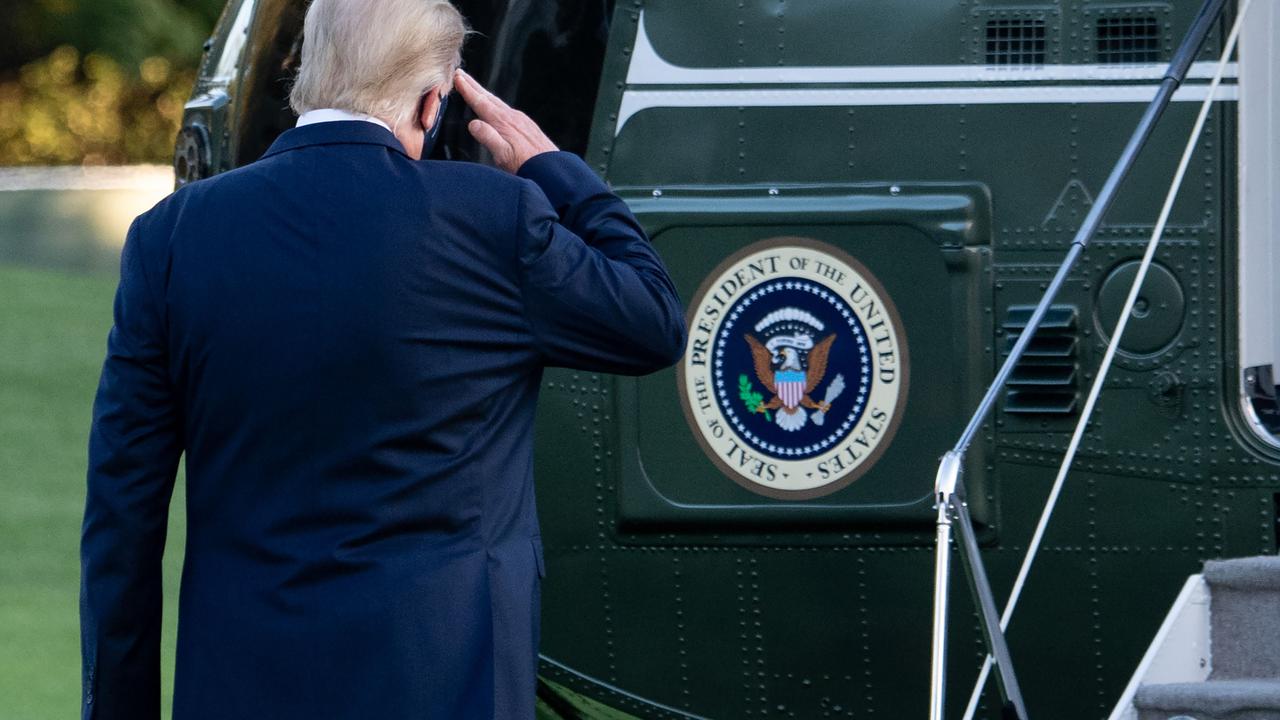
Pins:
x: 986, y: 602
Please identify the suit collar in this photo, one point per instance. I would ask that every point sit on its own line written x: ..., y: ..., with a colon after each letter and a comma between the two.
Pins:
x: 343, y: 132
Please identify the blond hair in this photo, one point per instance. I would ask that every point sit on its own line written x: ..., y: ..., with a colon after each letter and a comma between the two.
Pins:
x: 376, y: 57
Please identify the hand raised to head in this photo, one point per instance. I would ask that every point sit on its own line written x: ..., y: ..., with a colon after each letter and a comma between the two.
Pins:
x: 508, y: 134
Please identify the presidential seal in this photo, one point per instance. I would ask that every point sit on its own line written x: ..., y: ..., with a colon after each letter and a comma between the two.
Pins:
x: 795, y: 375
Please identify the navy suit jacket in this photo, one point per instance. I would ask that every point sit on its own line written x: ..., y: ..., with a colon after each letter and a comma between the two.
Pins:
x: 347, y: 344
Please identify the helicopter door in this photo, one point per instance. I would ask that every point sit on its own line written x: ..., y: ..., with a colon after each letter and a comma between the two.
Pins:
x: 837, y: 336
x: 1259, y: 154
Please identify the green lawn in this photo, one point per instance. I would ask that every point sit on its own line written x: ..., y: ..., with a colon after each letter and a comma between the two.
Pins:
x: 53, y: 329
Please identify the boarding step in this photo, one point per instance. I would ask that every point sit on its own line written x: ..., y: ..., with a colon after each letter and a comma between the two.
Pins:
x: 1210, y: 700
x: 1245, y: 617
x: 1217, y: 654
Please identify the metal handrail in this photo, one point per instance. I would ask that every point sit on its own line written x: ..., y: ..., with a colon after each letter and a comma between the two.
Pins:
x: 1100, y: 376
x: 949, y: 486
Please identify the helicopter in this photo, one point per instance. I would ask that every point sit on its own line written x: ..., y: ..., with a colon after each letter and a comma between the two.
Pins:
x: 861, y: 205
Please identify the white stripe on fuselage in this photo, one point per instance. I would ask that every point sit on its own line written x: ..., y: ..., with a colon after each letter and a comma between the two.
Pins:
x: 634, y: 101
x: 649, y: 68
x: 985, y: 84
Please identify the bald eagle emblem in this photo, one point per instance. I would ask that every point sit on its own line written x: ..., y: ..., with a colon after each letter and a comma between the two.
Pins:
x: 791, y: 366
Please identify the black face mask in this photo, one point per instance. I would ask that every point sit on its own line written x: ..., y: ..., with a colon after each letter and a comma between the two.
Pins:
x: 429, y: 137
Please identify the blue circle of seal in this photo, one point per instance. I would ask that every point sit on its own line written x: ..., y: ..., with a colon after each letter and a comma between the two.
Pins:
x: 774, y: 314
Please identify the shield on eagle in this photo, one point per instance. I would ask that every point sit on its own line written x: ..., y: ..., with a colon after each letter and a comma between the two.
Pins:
x: 790, y: 385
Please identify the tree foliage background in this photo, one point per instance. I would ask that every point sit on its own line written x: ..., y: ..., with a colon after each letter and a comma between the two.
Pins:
x: 97, y: 81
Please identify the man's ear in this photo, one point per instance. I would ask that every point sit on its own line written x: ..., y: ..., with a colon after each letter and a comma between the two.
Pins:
x: 429, y: 108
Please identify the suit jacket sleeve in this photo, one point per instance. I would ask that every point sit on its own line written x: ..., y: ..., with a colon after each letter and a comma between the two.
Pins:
x: 134, y: 446
x: 596, y: 293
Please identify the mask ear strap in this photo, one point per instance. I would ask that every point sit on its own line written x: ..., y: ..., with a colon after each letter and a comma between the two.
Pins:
x: 417, y: 116
x: 429, y: 136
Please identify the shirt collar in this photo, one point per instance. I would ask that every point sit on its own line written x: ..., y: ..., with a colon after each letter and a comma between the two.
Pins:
x: 320, y: 115
x: 345, y: 132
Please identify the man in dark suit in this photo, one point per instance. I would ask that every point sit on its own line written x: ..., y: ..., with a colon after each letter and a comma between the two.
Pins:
x: 347, y: 344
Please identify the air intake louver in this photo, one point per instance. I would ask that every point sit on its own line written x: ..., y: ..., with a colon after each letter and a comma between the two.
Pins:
x: 1044, y: 381
x: 1015, y: 41
x: 1128, y: 40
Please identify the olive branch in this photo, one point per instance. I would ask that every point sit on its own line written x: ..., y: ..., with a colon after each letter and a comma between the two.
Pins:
x: 750, y: 397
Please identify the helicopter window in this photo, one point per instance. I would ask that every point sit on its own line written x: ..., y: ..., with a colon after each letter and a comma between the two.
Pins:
x: 270, y: 63
x: 1015, y: 41
x: 229, y: 53
x: 1259, y: 254
x: 1128, y: 40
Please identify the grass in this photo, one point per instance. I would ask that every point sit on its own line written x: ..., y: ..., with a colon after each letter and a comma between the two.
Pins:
x: 53, y: 329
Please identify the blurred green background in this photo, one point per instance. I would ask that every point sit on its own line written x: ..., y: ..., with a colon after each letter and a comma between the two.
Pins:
x: 84, y: 84
x: 97, y: 81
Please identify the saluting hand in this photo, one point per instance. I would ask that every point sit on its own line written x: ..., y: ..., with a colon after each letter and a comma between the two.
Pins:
x: 508, y: 134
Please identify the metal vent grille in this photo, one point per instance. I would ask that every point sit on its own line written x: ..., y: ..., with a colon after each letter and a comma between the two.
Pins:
x: 1128, y: 40
x: 1044, y: 382
x: 1015, y: 41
